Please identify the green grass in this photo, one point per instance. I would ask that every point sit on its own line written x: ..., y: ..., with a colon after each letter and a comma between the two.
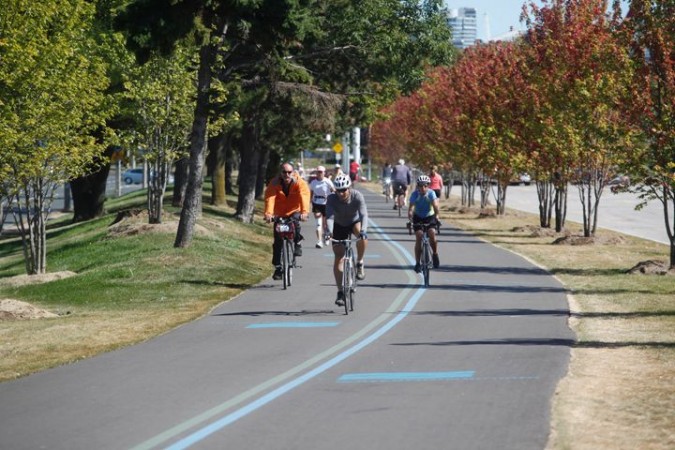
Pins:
x: 128, y: 286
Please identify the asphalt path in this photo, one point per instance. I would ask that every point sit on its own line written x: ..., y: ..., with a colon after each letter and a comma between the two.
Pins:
x: 469, y: 363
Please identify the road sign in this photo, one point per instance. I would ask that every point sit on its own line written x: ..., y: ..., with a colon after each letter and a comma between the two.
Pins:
x: 337, y: 148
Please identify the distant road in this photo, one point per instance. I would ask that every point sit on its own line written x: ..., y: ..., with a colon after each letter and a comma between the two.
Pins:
x: 616, y: 211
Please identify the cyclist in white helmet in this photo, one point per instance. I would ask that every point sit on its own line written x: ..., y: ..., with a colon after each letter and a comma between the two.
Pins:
x: 347, y: 214
x: 424, y: 209
x: 321, y: 187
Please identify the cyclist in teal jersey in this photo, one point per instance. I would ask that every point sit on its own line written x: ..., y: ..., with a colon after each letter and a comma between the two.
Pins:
x: 423, y: 209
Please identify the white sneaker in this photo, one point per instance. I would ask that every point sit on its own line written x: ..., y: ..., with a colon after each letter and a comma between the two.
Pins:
x: 319, y: 244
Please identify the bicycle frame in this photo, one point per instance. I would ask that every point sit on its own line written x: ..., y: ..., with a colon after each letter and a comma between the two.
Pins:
x: 348, y: 273
x: 285, y: 228
x: 426, y: 256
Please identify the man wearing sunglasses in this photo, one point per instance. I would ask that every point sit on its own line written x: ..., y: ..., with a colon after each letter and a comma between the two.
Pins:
x: 347, y: 214
x: 286, y: 195
x: 423, y: 209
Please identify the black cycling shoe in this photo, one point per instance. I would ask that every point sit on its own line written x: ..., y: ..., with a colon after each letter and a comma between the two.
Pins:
x: 278, y: 273
x: 418, y: 268
x: 437, y: 262
x: 340, y: 300
x: 298, y: 250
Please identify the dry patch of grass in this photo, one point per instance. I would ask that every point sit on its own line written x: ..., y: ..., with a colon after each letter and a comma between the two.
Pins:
x: 619, y: 391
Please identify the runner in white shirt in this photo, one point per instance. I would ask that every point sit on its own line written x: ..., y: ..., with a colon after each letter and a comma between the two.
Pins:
x: 321, y: 188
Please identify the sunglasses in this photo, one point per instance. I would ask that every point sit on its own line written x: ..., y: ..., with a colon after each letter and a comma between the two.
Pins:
x: 287, y: 172
x: 422, y: 185
x: 341, y: 191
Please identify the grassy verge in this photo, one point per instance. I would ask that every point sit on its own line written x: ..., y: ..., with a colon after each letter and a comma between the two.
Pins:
x: 131, y: 283
x: 618, y: 393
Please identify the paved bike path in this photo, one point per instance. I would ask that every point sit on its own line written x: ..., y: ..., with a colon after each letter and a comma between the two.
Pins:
x: 471, y: 362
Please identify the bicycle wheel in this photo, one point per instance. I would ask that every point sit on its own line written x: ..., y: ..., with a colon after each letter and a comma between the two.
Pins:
x: 346, y: 283
x: 352, y: 283
x: 400, y: 206
x: 289, y: 260
x: 284, y: 263
x: 426, y: 262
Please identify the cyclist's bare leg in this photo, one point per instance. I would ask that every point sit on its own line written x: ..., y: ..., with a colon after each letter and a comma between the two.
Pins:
x: 403, y: 198
x: 418, y: 245
x: 432, y: 240
x: 361, y: 244
x: 320, y: 225
x: 326, y: 232
x: 339, y: 252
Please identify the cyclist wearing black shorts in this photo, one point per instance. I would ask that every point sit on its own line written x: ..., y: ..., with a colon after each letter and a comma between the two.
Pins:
x: 423, y: 209
x: 401, y: 178
x: 347, y: 214
x: 321, y: 187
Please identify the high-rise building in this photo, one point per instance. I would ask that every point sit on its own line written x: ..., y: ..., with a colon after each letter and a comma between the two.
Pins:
x: 464, y: 24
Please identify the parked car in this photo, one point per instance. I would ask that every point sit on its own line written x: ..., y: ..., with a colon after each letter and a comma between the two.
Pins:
x: 135, y: 176
x: 618, y: 183
x: 522, y: 178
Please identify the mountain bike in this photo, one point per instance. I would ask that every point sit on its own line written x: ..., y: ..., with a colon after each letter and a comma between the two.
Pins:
x: 348, y: 273
x: 426, y: 256
x: 285, y: 228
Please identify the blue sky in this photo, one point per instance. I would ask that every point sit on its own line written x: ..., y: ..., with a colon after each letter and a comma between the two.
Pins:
x: 502, y: 14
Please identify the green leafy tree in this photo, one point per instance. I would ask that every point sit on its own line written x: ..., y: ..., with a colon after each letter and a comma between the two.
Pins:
x: 160, y: 95
x: 51, y: 94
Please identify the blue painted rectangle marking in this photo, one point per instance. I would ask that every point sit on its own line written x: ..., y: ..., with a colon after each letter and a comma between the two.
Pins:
x: 404, y: 376
x: 293, y: 325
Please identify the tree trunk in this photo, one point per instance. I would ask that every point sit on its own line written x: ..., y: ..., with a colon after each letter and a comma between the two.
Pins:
x: 501, y: 198
x: 484, y: 191
x: 180, y: 182
x: 545, y: 191
x: 30, y: 215
x: 560, y: 202
x: 217, y: 157
x: 230, y: 164
x: 88, y: 192
x: 670, y: 220
x: 263, y: 164
x: 248, y: 173
x: 157, y: 186
x: 192, y: 204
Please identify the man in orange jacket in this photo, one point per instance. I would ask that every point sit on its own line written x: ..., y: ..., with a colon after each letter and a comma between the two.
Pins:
x: 286, y: 196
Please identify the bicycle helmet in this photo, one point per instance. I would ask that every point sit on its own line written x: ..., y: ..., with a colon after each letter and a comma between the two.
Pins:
x: 423, y: 180
x: 342, y: 181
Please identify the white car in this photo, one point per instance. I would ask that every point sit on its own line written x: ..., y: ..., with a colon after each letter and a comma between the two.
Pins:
x: 522, y: 178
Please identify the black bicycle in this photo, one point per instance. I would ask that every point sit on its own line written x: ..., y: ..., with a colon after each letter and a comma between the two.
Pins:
x: 285, y: 228
x: 426, y: 256
x: 348, y: 273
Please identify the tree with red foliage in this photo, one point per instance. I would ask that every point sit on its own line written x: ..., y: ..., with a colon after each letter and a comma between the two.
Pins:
x: 650, y: 33
x: 581, y: 69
